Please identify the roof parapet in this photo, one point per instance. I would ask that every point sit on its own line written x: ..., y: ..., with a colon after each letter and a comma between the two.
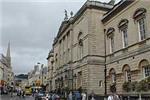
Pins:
x: 88, y: 4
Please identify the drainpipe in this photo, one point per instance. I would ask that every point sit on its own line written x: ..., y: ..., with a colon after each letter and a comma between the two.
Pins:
x: 105, y: 70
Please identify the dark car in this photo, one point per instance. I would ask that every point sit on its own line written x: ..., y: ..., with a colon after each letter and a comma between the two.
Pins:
x: 40, y: 95
x: 76, y: 95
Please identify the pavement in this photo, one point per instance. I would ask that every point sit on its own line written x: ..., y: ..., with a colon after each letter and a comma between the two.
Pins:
x: 14, y: 97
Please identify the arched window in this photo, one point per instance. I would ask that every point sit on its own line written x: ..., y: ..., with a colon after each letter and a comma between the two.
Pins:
x: 145, y: 66
x: 140, y: 12
x: 100, y: 83
x: 80, y: 41
x: 112, y: 74
x: 110, y: 35
x: 80, y: 45
x: 123, y: 25
x: 140, y: 17
x: 127, y: 73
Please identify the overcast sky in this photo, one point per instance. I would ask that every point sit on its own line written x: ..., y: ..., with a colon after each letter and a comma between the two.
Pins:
x: 30, y: 26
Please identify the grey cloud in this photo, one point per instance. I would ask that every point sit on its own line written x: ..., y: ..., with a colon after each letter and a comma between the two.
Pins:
x: 30, y: 26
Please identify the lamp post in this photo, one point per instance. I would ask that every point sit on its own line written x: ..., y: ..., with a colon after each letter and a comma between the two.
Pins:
x: 42, y: 72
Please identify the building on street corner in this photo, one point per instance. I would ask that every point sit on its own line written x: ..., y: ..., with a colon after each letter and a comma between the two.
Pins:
x: 50, y: 59
x: 127, y: 45
x: 103, y: 48
x: 6, y: 74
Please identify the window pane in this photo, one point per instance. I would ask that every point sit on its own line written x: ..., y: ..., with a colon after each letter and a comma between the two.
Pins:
x: 111, y: 44
x: 113, y: 78
x: 129, y: 76
x: 142, y: 31
x: 147, y: 71
x: 124, y: 37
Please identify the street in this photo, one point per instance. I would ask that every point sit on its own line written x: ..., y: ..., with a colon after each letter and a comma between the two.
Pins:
x: 8, y: 97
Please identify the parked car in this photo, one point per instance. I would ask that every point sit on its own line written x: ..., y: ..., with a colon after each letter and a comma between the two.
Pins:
x: 76, y: 95
x: 40, y: 95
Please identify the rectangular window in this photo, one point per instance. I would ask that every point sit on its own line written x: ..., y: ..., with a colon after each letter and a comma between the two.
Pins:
x: 124, y: 37
x: 141, y: 29
x: 111, y: 44
x: 147, y: 71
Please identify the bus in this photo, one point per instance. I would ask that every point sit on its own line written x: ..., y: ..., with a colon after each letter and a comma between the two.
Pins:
x: 28, y: 90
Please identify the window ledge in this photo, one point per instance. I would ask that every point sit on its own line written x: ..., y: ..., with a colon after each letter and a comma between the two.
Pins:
x: 142, y: 42
x: 125, y: 49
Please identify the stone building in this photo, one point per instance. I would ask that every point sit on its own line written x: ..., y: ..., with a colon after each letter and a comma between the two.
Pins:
x: 127, y: 43
x: 50, y: 78
x: 38, y: 76
x: 79, y: 50
x: 100, y: 45
x: 6, y: 75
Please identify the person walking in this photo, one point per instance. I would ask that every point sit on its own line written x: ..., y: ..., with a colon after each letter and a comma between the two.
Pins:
x: 113, y: 96
x: 83, y: 96
x: 92, y: 96
x: 70, y: 96
x: 11, y: 91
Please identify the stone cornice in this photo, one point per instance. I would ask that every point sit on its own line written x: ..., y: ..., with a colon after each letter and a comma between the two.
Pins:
x: 123, y: 49
x: 128, y: 55
x: 72, y: 20
x: 116, y: 9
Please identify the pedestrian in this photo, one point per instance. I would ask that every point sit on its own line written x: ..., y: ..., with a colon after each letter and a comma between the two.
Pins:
x: 11, y: 91
x: 2, y: 90
x: 53, y: 96
x: 83, y: 96
x: 70, y: 96
x: 113, y: 96
x: 78, y: 95
x: 92, y: 96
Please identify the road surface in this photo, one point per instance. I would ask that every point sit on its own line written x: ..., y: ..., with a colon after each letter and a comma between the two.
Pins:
x: 8, y: 97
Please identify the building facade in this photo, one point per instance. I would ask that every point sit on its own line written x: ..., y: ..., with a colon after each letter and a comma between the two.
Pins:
x: 6, y: 74
x: 21, y: 80
x: 51, y: 80
x: 102, y: 45
x: 38, y: 76
x: 127, y: 44
x: 78, y: 54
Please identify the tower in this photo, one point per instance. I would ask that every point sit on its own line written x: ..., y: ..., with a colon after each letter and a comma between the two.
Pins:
x: 8, y: 57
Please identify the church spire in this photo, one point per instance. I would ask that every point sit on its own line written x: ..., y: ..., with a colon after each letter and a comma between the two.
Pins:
x: 8, y: 51
x: 8, y: 54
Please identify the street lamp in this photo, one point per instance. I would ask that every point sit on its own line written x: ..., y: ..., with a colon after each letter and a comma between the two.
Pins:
x: 42, y: 72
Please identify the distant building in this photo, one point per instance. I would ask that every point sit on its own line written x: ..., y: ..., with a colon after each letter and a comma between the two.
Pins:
x: 38, y: 76
x: 50, y: 79
x: 6, y: 74
x: 21, y: 80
